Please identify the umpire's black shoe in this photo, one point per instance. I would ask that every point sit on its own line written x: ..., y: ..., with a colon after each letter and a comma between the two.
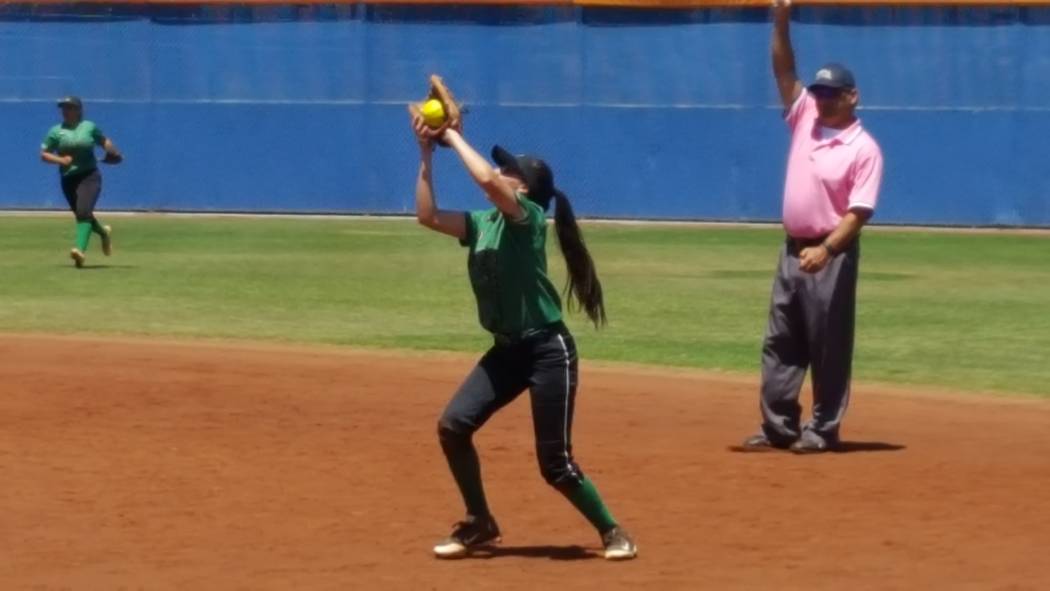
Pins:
x: 811, y: 443
x: 469, y: 534
x: 759, y: 443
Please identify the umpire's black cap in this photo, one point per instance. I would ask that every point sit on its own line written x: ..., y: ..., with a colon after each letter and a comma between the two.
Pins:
x: 834, y: 76
x: 535, y: 172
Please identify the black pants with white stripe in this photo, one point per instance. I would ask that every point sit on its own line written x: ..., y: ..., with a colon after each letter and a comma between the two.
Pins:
x: 546, y: 366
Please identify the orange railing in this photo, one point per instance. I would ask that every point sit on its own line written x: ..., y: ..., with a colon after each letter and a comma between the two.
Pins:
x: 743, y: 3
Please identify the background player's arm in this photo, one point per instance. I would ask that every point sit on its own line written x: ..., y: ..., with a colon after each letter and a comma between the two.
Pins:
x: 452, y: 223
x: 105, y: 143
x: 52, y: 158
x: 110, y: 148
x: 49, y: 151
x: 784, y: 71
x: 496, y: 189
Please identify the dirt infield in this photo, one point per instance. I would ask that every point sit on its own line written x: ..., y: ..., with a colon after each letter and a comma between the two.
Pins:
x: 128, y: 465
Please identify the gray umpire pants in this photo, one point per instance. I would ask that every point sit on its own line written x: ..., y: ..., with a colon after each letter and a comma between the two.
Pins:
x: 811, y: 325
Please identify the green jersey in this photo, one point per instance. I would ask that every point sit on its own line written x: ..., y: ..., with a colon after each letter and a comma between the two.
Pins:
x: 508, y: 270
x: 77, y: 141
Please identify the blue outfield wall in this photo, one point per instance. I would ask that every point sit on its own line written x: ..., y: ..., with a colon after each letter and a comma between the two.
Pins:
x: 656, y: 114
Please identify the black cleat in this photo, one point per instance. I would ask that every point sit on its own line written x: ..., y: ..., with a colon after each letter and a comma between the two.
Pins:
x: 467, y: 535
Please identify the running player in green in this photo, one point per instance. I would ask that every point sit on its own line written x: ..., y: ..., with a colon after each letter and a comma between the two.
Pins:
x: 519, y: 305
x: 71, y: 145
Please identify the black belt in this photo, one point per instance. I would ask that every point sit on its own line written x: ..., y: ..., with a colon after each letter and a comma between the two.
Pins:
x: 533, y: 334
x: 801, y: 243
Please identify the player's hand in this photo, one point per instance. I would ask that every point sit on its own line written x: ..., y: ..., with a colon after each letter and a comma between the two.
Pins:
x: 66, y: 160
x: 425, y: 134
x: 813, y: 259
x: 419, y: 128
x: 781, y: 4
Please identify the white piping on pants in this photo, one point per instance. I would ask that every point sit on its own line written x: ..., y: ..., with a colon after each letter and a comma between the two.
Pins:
x: 568, y: 394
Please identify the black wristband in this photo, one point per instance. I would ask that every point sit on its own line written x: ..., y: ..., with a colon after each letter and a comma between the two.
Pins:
x: 827, y: 247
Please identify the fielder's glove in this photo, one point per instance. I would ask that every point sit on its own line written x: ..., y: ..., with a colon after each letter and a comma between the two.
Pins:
x: 112, y: 158
x: 453, y: 110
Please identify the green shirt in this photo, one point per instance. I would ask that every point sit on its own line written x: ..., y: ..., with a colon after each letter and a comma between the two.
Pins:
x: 78, y: 142
x: 508, y: 270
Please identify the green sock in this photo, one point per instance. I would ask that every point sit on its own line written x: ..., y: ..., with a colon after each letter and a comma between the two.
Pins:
x: 83, y: 233
x: 97, y: 228
x: 587, y: 501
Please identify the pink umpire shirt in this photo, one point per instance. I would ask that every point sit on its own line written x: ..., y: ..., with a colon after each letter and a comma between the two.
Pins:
x: 827, y: 178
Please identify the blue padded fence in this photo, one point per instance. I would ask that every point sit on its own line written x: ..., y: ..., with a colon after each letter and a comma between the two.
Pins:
x: 642, y: 113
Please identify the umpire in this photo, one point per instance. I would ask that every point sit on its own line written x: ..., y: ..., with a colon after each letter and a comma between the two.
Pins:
x: 833, y: 175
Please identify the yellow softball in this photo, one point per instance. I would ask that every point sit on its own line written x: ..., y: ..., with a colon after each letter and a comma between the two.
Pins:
x: 433, y: 113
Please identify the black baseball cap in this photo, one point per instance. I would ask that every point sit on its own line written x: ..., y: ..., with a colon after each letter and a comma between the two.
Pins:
x: 535, y: 172
x: 71, y: 101
x: 834, y: 76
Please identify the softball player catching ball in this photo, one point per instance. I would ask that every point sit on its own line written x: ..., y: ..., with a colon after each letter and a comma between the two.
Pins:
x: 519, y: 305
x: 71, y: 145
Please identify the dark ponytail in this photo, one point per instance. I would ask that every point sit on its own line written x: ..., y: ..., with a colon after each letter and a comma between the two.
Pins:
x: 583, y: 285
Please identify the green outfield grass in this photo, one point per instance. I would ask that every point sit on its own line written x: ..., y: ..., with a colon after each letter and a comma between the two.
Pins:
x: 966, y: 312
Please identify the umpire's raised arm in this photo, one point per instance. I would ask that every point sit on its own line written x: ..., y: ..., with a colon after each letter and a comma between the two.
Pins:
x: 788, y: 83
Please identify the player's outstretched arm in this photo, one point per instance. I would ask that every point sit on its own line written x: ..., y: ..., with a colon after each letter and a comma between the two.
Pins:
x: 784, y: 70
x: 452, y: 223
x: 496, y: 189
